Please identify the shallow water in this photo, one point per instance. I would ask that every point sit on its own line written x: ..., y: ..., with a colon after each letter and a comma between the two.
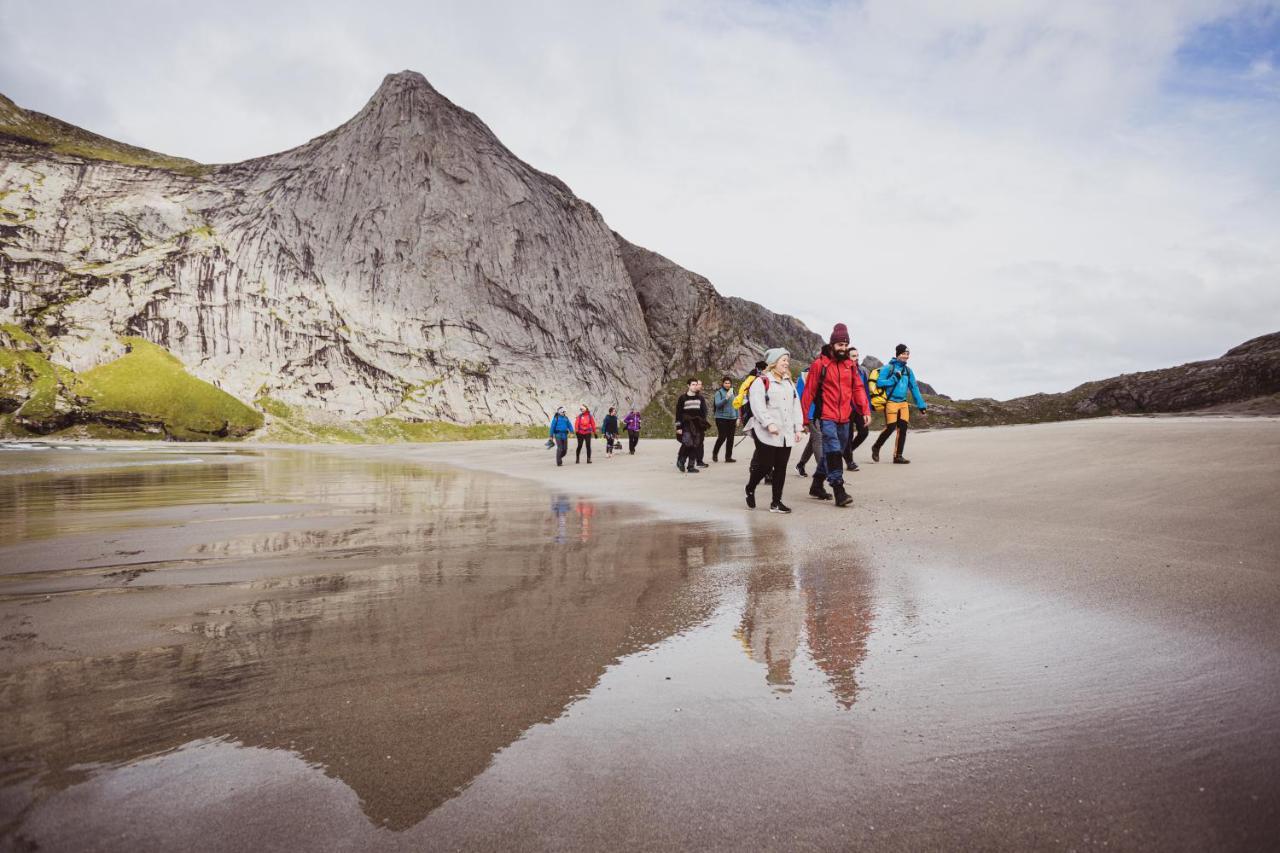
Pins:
x: 304, y: 650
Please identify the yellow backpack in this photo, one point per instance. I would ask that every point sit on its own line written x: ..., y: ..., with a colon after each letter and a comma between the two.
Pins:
x: 878, y: 395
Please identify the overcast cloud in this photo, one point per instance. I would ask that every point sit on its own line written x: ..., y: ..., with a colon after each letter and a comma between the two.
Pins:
x: 1031, y: 194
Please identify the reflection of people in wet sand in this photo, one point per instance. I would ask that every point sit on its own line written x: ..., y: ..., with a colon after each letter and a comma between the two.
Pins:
x: 772, y: 621
x: 560, y: 506
x: 838, y: 619
x: 586, y: 509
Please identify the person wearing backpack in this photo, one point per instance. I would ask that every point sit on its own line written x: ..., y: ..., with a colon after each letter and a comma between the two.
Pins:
x: 726, y: 421
x: 896, y: 380
x: 777, y: 425
x: 609, y: 429
x: 632, y: 423
x: 860, y: 429
x: 691, y: 426
x: 837, y: 395
x: 742, y: 403
x: 560, y: 429
x: 814, y: 444
x: 584, y: 427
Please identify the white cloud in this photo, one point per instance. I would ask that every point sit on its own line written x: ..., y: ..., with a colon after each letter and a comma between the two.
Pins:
x: 1011, y: 188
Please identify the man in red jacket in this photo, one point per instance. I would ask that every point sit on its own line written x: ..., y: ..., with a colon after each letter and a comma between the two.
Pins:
x: 836, y: 390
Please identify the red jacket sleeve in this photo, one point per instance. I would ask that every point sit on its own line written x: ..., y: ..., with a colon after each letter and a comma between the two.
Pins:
x: 810, y: 388
x: 860, y: 401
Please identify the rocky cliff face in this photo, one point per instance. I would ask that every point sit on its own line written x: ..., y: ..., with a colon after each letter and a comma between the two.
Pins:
x: 404, y: 264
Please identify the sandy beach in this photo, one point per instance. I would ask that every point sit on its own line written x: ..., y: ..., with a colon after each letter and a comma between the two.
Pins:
x: 1039, y: 637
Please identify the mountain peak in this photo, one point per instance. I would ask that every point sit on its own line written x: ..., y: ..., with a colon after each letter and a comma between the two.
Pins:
x: 401, y: 82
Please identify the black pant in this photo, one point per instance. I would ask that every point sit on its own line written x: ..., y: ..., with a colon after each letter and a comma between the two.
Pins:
x: 855, y: 438
x: 610, y: 442
x: 901, y: 428
x: 726, y: 431
x: 690, y: 445
x: 562, y: 449
x: 583, y: 439
x: 769, y: 460
x: 633, y: 437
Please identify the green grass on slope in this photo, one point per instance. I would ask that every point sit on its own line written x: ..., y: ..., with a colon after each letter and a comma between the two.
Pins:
x: 148, y: 383
x: 30, y: 384
x: 48, y: 132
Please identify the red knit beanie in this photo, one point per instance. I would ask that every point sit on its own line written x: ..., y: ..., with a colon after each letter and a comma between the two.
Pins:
x: 840, y: 334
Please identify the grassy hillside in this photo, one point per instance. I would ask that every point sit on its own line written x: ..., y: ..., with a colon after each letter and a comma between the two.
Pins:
x: 47, y: 132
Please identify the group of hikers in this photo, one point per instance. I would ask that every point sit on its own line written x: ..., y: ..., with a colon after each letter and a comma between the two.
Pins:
x: 584, y: 428
x: 826, y: 409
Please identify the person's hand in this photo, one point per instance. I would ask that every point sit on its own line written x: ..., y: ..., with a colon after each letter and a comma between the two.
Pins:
x: 799, y: 437
x: 866, y: 420
x: 773, y: 429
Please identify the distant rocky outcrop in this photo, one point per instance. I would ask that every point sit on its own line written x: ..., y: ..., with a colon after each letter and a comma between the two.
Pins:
x: 1242, y: 374
x: 404, y: 265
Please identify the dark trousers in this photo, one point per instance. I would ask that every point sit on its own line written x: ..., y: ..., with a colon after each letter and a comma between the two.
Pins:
x: 858, y: 433
x: 610, y: 442
x: 583, y: 439
x: 769, y: 460
x: 807, y: 453
x: 726, y: 431
x: 901, y: 429
x: 633, y: 438
x: 690, y: 445
x: 834, y: 436
x: 562, y: 448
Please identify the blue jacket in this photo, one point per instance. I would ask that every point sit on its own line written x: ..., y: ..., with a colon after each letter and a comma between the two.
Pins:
x: 897, y: 379
x: 560, y: 426
x: 724, y: 405
x: 800, y: 391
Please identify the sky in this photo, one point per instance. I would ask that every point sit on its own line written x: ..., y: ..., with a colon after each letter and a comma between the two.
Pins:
x: 1030, y: 194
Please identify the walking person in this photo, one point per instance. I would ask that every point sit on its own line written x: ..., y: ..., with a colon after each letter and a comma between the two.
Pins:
x: 837, y: 395
x: 691, y: 427
x: 740, y: 401
x: 859, y: 429
x: 706, y: 425
x: 632, y: 422
x: 560, y: 429
x: 897, y: 380
x: 584, y: 427
x: 610, y: 431
x: 777, y: 424
x: 726, y: 421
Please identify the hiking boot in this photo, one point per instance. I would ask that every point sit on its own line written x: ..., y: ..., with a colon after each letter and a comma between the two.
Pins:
x: 779, y: 507
x: 843, y: 498
x: 800, y: 468
x: 751, y: 499
x: 817, y: 490
x: 901, y: 460
x: 875, y: 454
x: 852, y: 466
x: 727, y: 459
x: 703, y: 465
x: 692, y: 469
x: 680, y: 467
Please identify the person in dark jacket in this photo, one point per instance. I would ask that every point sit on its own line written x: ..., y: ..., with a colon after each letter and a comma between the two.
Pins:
x: 632, y: 422
x: 859, y: 428
x: 691, y: 426
x: 837, y: 395
x: 584, y: 427
x: 726, y: 421
x: 897, y: 381
x: 609, y: 429
x: 560, y: 429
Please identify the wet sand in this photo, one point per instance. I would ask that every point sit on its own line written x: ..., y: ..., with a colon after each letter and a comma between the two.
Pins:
x: 1047, y: 637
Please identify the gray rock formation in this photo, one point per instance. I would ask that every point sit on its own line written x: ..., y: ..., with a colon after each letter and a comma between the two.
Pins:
x: 1244, y: 373
x: 404, y: 264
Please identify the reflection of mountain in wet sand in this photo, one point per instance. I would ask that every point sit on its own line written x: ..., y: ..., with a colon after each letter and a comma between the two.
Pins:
x: 830, y: 601
x: 401, y: 679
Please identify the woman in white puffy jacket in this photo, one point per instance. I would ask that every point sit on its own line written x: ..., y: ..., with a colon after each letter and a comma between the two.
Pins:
x: 777, y: 425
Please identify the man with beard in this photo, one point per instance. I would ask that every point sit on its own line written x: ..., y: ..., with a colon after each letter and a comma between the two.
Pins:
x: 836, y: 392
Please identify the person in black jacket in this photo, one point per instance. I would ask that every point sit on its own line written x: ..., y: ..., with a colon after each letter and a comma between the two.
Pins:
x: 691, y: 426
x: 610, y: 430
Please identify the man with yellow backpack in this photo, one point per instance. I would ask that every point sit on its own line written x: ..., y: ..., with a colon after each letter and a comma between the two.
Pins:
x: 890, y: 386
